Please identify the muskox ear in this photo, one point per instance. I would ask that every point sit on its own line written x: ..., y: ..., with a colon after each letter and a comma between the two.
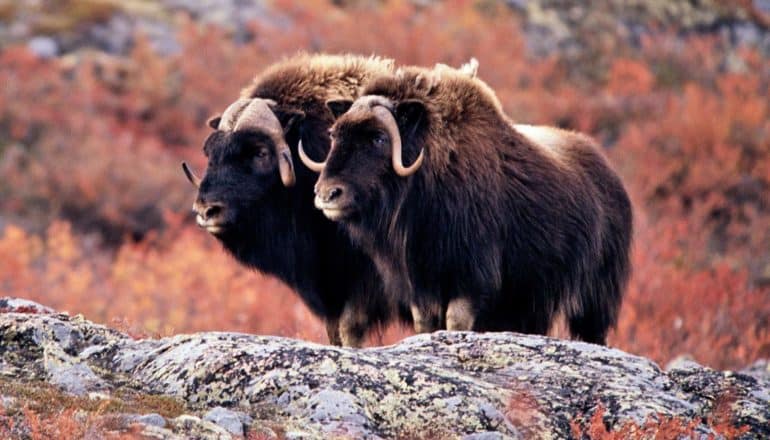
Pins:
x: 213, y: 122
x: 338, y: 107
x: 289, y: 118
x: 411, y: 116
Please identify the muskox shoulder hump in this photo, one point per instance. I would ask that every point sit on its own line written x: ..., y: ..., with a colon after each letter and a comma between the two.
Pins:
x: 304, y: 77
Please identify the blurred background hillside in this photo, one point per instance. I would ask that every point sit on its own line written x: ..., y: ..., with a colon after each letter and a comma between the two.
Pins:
x: 100, y: 100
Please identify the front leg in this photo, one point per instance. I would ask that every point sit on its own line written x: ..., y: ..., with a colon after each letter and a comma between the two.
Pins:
x: 354, y: 324
x: 460, y: 314
x: 333, y: 331
x: 427, y: 316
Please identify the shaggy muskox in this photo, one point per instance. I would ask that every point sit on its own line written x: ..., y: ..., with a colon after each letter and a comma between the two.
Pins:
x: 480, y: 224
x: 260, y: 206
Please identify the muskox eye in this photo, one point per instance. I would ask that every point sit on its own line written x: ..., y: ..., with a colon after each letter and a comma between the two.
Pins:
x: 262, y: 153
x: 380, y: 139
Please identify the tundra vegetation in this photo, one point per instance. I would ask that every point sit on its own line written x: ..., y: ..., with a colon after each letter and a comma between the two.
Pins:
x: 95, y: 214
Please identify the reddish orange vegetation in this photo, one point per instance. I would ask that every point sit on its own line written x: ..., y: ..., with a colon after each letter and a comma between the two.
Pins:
x: 95, y: 205
x: 660, y: 427
x: 65, y: 424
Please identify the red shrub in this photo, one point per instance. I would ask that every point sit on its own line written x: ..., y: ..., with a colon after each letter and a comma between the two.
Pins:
x: 659, y: 427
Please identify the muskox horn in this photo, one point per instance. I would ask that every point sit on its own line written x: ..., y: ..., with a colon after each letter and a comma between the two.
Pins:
x: 310, y: 163
x: 286, y: 167
x: 258, y: 113
x: 195, y: 180
x: 386, y: 117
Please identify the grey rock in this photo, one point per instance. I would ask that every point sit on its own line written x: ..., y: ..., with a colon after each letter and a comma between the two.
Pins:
x: 114, y: 36
x: 485, y: 436
x: 7, y: 401
x: 232, y: 421
x: 338, y: 412
x: 331, y: 405
x: 520, y: 5
x: 197, y: 428
x: 759, y: 369
x: 151, y: 420
x: 683, y: 362
x: 23, y: 306
x: 298, y: 435
x: 77, y: 379
x: 762, y: 5
x: 44, y: 47
x: 458, y: 383
x: 156, y: 432
x: 161, y: 36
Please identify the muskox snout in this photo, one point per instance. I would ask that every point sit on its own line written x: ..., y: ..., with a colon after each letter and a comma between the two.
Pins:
x: 328, y: 193
x: 333, y: 199
x: 209, y: 215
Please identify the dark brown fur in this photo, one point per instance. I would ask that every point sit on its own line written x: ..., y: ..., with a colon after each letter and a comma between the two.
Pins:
x: 494, y: 231
x: 275, y: 228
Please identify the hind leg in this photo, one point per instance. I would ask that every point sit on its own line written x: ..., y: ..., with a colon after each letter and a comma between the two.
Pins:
x: 589, y: 329
x: 590, y: 317
x: 591, y: 314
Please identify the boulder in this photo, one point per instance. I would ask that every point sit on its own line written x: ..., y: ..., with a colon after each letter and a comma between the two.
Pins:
x: 440, y: 385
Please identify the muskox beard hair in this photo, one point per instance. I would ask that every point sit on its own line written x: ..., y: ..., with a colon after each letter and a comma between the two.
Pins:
x: 377, y: 229
x: 266, y: 236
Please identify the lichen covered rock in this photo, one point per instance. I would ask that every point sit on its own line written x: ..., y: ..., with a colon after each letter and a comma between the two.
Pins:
x: 442, y: 385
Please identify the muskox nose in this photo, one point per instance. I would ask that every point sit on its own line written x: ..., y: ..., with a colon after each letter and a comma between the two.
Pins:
x: 208, y: 210
x: 330, y: 193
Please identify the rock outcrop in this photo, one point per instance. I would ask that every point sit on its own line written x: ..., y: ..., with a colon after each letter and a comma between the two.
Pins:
x: 442, y: 385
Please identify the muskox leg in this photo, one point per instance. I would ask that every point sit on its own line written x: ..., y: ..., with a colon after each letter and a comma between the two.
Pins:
x: 589, y: 326
x: 353, y: 326
x: 595, y: 310
x: 591, y: 317
x: 426, y: 317
x: 460, y: 314
x: 333, y: 331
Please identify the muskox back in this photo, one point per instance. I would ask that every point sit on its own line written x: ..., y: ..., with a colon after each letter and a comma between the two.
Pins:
x: 498, y: 228
x: 600, y: 265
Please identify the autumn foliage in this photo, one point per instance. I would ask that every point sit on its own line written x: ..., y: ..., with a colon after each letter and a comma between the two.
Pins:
x: 94, y: 208
x: 660, y: 427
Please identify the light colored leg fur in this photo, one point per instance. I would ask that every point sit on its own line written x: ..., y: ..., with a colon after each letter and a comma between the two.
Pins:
x: 460, y: 315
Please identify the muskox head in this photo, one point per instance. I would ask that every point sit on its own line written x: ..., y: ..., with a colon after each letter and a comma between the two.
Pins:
x: 248, y: 162
x: 371, y: 144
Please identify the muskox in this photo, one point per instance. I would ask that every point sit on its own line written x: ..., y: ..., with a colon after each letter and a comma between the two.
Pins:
x: 478, y: 223
x: 260, y: 206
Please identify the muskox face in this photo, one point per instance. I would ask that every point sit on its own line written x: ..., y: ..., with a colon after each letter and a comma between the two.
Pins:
x: 248, y: 163
x: 365, y: 168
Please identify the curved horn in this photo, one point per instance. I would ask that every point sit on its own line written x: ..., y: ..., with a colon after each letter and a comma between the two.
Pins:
x: 310, y: 163
x: 386, y: 117
x: 286, y: 167
x: 258, y: 113
x: 195, y: 180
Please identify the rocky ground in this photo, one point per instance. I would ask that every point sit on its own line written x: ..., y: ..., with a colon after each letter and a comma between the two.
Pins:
x: 443, y: 385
